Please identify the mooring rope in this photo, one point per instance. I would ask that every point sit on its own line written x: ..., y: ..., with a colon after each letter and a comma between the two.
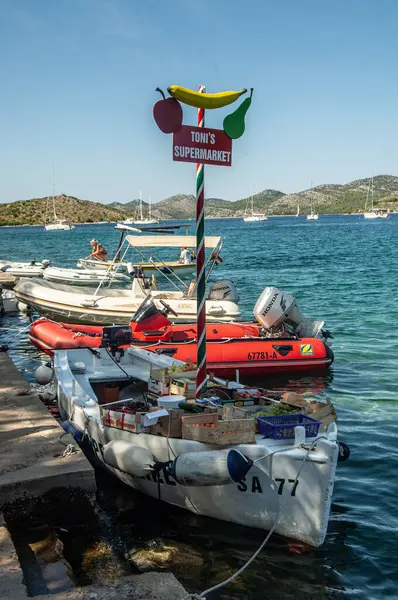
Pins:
x: 203, y: 595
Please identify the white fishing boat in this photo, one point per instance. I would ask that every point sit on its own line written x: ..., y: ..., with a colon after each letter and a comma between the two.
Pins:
x: 85, y: 276
x: 141, y: 220
x: 312, y: 216
x: 374, y: 213
x: 145, y: 257
x: 108, y: 306
x: 254, y: 217
x: 280, y: 484
x: 57, y: 224
x: 24, y: 269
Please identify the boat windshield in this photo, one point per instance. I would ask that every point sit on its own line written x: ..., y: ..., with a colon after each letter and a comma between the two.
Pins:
x: 145, y: 310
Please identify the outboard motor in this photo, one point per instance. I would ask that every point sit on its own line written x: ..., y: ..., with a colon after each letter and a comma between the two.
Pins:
x: 115, y: 336
x: 224, y: 290
x: 275, y: 309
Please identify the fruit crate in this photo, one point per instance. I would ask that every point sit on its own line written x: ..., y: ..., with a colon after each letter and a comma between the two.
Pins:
x: 282, y: 426
x: 208, y: 428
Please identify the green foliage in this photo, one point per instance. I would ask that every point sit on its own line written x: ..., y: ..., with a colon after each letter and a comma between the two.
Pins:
x: 33, y: 212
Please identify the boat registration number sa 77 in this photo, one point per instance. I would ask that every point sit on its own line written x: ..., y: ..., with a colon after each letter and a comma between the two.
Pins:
x: 262, y: 356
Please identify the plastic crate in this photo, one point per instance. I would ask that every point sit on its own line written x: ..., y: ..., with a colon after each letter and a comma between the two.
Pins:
x: 282, y: 426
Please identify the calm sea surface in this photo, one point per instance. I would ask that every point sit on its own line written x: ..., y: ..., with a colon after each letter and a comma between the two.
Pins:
x: 345, y: 271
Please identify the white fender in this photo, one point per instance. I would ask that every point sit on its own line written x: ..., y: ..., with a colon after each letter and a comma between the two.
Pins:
x: 129, y: 458
x: 216, y: 467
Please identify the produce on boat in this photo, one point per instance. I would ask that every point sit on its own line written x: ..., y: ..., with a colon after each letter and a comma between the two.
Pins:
x: 215, y: 456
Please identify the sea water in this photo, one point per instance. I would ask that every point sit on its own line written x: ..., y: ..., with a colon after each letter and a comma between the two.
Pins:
x: 344, y: 270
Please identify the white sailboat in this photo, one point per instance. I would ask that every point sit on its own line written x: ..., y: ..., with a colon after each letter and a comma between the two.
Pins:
x: 254, y: 217
x: 312, y: 216
x: 58, y: 224
x: 141, y: 220
x: 298, y: 209
x: 374, y: 213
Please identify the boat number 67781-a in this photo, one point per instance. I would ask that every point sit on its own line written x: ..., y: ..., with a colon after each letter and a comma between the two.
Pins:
x: 262, y: 356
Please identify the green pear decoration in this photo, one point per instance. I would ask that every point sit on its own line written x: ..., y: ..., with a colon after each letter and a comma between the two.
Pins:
x: 234, y: 124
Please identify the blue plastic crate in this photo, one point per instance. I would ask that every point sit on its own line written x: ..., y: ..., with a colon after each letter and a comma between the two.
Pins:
x: 282, y: 426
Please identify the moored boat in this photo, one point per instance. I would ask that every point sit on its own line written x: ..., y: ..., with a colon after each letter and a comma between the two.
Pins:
x: 24, y: 269
x: 85, y: 276
x: 282, y: 483
x: 251, y: 348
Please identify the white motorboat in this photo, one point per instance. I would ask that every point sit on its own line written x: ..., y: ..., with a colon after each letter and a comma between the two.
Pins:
x: 144, y: 257
x: 57, y: 224
x: 374, y: 213
x: 141, y: 220
x: 108, y: 306
x: 287, y: 485
x: 85, y: 276
x: 24, y: 269
x: 116, y: 306
x: 254, y: 217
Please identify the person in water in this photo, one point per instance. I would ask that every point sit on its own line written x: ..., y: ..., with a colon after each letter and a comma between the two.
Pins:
x: 99, y: 251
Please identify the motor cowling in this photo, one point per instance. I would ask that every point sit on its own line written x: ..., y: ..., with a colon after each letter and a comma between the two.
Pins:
x: 224, y: 290
x: 275, y: 307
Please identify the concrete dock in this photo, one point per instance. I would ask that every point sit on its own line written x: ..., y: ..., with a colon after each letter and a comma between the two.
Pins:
x: 32, y: 443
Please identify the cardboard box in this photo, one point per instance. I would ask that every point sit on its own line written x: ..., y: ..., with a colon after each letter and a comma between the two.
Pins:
x: 121, y: 418
x: 208, y: 428
x: 157, y: 386
x: 183, y: 386
x: 160, y: 375
x: 169, y: 426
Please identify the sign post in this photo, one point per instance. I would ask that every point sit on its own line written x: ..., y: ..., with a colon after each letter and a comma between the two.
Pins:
x: 200, y: 267
x: 201, y: 146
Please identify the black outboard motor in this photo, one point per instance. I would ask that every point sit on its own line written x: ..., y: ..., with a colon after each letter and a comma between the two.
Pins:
x: 115, y: 336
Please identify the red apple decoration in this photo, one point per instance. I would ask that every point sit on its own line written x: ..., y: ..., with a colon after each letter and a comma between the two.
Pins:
x: 168, y: 114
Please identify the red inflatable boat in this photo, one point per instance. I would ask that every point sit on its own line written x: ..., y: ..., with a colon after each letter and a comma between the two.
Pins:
x: 230, y: 346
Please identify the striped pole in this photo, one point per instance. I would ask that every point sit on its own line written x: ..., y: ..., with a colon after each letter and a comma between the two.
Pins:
x: 200, y: 269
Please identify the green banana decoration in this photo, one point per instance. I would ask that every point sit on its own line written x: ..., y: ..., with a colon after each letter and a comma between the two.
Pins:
x: 234, y: 124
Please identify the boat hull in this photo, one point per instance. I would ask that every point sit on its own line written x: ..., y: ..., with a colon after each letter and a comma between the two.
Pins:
x: 287, y: 485
x: 84, y: 276
x: 155, y: 268
x: 375, y: 215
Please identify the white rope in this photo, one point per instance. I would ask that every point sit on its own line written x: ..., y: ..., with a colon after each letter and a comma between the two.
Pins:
x: 202, y: 595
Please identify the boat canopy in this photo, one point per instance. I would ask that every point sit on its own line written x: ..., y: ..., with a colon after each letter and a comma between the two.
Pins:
x: 175, y: 241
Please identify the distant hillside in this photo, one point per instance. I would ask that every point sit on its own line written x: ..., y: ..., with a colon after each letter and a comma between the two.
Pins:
x: 33, y: 212
x: 335, y: 198
x: 327, y: 199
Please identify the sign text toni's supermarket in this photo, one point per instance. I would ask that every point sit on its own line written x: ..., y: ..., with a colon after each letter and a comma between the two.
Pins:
x: 202, y: 145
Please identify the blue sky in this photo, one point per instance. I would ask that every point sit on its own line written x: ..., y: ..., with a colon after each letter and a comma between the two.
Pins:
x: 78, y: 80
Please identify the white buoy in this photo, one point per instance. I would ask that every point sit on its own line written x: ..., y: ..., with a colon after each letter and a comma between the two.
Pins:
x: 43, y: 374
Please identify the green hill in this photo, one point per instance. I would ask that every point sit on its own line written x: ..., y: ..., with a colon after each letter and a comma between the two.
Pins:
x: 327, y: 199
x: 33, y: 212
